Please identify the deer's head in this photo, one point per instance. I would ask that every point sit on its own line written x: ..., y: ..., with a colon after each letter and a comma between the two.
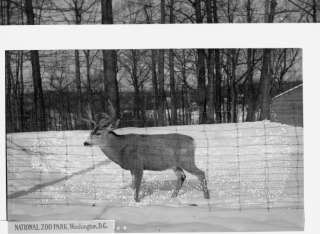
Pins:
x: 103, y: 125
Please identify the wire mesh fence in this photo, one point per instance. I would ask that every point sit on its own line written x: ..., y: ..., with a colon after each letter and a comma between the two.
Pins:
x: 247, y: 165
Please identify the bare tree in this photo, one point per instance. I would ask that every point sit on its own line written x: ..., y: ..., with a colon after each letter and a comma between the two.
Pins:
x: 210, y: 68
x: 9, y: 75
x: 251, y: 94
x: 201, y: 72
x: 240, y: 91
x: 138, y: 72
x: 89, y: 89
x: 110, y: 61
x: 217, y: 68
x: 21, y: 91
x: 266, y: 76
x: 39, y: 106
x: 154, y: 55
x: 162, y: 95
x: 172, y: 74
x: 78, y: 85
x: 309, y: 8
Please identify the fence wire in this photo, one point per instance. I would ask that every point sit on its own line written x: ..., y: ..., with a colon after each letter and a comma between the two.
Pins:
x: 247, y: 166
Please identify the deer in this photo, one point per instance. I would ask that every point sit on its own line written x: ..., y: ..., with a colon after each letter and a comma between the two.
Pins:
x: 139, y: 152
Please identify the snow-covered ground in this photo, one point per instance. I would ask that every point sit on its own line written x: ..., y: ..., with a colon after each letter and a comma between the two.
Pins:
x: 254, y: 171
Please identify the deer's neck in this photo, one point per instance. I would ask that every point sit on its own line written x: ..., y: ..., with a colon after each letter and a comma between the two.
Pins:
x: 112, y: 147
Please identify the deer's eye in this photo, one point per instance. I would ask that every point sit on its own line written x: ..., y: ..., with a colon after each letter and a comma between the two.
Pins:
x: 98, y: 133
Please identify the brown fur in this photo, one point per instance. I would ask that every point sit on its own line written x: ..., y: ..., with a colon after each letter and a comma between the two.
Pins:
x: 136, y: 152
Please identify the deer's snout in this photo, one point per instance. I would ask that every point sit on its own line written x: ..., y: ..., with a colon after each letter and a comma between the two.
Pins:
x: 86, y: 143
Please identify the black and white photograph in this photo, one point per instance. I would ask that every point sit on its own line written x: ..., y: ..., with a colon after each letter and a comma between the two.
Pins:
x: 158, y: 140
x: 167, y: 116
x: 50, y: 12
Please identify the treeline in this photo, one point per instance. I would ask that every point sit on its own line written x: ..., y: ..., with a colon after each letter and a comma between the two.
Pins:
x: 151, y: 87
x: 197, y: 85
x: 159, y: 11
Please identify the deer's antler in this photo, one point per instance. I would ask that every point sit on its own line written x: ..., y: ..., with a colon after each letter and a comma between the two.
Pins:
x: 112, y: 112
x: 89, y: 118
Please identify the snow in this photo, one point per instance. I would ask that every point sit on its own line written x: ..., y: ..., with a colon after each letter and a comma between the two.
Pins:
x: 254, y: 172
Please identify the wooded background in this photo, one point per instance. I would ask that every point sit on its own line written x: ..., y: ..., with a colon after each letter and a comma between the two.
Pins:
x: 157, y: 11
x: 54, y: 90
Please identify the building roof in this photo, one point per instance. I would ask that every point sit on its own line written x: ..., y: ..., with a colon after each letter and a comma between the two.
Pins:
x: 288, y: 91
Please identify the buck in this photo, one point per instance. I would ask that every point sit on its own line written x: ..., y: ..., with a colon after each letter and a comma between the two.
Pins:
x: 138, y: 152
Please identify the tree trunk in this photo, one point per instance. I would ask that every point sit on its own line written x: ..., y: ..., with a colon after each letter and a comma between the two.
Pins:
x: 153, y: 74
x: 16, y: 89
x: 218, y: 79
x: 201, y: 72
x: 78, y: 85
x: 215, y: 11
x: 250, y: 94
x: 250, y: 88
x: 234, y: 91
x: 249, y: 11
x: 210, y: 68
x: 89, y: 90
x: 185, y: 98
x: 266, y: 76
x: 78, y: 15
x: 8, y: 91
x: 106, y: 11
x: 8, y: 13
x: 138, y: 105
x: 270, y: 8
x: 172, y: 77
x: 162, y: 96
x: 209, y: 11
x: 229, y: 96
x: 29, y: 12
x: 217, y: 68
x: 36, y: 75
x: 314, y: 11
x: 110, y: 79
x: 21, y: 97
x: 110, y: 62
x: 38, y: 93
x: 211, y: 101
x: 265, y: 85
x: 69, y: 117
x: 202, y: 100
x: 2, y: 12
x: 172, y: 89
x: 155, y: 84
x: 135, y: 82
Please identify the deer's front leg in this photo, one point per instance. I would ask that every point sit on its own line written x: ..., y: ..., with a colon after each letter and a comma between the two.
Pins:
x: 137, y: 182
x: 133, y: 180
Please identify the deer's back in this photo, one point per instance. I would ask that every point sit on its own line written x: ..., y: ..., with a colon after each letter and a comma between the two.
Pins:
x: 161, y: 151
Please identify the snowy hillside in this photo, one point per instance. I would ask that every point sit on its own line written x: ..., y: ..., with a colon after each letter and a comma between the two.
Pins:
x: 255, y: 168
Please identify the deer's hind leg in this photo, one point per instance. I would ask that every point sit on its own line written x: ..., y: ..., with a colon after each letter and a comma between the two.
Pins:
x: 133, y: 186
x: 201, y: 176
x: 137, y: 175
x: 181, y: 178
